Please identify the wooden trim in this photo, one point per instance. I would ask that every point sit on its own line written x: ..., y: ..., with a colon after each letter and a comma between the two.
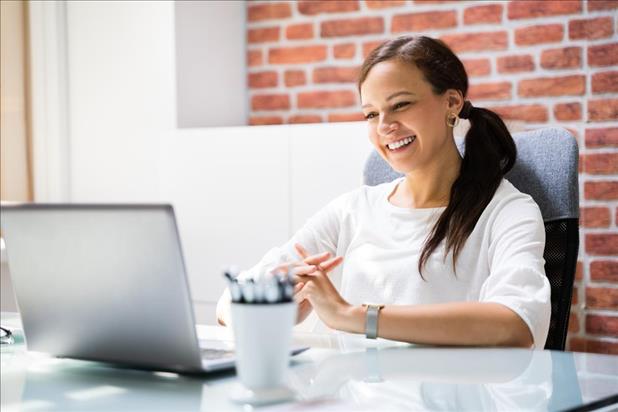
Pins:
x: 16, y: 171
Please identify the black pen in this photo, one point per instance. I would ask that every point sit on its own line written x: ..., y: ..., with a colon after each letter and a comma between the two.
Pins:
x: 288, y: 288
x: 234, y: 287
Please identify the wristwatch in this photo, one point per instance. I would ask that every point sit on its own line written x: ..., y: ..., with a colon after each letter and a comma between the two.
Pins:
x: 371, y: 320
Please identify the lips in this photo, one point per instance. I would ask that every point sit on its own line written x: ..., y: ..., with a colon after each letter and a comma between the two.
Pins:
x: 401, y: 143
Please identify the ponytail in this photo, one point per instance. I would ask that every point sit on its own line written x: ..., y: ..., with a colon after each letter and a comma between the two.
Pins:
x: 489, y: 154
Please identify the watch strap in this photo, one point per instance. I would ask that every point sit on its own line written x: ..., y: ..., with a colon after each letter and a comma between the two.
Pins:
x: 371, y: 321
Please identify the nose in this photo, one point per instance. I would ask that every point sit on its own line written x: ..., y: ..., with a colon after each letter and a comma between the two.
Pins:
x: 387, y: 126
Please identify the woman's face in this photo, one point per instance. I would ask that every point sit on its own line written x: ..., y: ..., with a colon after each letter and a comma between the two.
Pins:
x: 406, y: 120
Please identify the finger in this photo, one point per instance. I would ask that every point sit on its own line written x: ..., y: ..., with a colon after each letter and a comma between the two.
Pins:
x: 301, y: 295
x: 285, y: 267
x: 317, y: 259
x: 298, y: 287
x: 313, y: 259
x: 301, y: 272
x: 312, y: 271
x: 303, y: 307
x: 330, y: 264
x: 301, y: 250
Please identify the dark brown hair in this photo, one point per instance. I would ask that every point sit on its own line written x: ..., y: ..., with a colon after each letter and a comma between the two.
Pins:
x: 489, y: 148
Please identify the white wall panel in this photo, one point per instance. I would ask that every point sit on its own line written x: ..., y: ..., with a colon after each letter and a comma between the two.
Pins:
x: 325, y: 162
x: 121, y: 97
x: 211, y: 69
x: 229, y: 188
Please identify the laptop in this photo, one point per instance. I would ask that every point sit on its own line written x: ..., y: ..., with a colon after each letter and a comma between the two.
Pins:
x: 106, y: 283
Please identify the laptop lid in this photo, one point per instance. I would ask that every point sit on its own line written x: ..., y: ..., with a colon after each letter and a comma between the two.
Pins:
x: 102, y: 282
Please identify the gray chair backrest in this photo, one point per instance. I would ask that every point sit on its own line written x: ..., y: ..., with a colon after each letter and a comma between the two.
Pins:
x: 546, y: 169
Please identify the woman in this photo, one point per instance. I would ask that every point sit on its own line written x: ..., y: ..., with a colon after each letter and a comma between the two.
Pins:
x: 451, y: 253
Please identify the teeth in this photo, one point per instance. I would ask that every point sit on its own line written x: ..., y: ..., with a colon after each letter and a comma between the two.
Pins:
x: 400, y: 143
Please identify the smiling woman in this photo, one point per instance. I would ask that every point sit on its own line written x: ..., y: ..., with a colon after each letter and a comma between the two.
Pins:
x: 433, y: 84
x: 448, y: 254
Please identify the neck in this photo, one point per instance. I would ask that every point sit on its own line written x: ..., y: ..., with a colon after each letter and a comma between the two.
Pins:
x: 431, y: 186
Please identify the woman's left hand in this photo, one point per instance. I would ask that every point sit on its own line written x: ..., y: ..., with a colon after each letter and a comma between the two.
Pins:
x: 320, y: 291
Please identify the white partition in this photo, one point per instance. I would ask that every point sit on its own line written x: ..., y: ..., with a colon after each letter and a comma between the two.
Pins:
x: 326, y: 161
x: 229, y: 188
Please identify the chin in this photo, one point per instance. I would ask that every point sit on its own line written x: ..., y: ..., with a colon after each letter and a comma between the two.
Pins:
x: 403, y: 169
x: 399, y: 166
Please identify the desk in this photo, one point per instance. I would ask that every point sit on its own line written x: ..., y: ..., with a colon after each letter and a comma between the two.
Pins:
x: 340, y: 373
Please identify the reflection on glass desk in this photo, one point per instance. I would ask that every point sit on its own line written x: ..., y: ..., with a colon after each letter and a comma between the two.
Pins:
x: 340, y: 373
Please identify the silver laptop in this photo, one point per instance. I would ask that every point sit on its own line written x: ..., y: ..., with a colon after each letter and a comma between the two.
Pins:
x: 106, y: 283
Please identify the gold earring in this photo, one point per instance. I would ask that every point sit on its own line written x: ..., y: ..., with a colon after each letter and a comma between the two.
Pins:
x: 452, y: 120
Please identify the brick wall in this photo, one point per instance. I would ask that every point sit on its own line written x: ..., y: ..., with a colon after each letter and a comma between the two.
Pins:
x: 538, y: 63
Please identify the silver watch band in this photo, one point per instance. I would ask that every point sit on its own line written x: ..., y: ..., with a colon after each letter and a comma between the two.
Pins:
x: 371, y: 321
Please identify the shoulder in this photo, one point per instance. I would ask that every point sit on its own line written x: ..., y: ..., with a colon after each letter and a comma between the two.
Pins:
x: 509, y: 197
x: 509, y: 208
x: 364, y: 195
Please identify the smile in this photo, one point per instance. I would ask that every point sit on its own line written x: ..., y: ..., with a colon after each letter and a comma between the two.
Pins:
x: 401, y: 143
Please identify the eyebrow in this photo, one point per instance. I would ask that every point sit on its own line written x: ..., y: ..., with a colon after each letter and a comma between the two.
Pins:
x: 392, y: 96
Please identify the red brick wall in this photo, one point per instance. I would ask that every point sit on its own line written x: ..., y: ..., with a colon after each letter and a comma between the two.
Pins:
x: 537, y: 62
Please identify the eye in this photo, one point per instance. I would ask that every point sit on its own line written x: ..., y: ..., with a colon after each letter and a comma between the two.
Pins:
x: 400, y: 105
x: 370, y: 116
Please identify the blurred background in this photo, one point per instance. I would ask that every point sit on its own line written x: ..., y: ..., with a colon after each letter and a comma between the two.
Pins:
x: 245, y: 115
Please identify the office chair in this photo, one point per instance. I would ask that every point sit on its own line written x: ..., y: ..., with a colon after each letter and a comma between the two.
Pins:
x: 547, y: 170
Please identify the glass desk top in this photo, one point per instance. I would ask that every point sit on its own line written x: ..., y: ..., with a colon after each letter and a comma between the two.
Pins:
x: 340, y: 372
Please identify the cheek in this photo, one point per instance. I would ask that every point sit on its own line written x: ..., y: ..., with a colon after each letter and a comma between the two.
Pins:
x: 426, y: 116
x: 431, y: 125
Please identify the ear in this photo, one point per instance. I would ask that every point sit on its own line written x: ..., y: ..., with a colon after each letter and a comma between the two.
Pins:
x: 454, y: 100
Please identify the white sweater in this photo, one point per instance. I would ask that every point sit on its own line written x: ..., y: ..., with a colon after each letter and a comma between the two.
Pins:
x: 502, y: 260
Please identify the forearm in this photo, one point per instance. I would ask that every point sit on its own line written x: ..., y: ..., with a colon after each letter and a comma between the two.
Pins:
x: 461, y: 323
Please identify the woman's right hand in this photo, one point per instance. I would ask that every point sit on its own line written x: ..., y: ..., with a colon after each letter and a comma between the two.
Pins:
x: 305, y: 267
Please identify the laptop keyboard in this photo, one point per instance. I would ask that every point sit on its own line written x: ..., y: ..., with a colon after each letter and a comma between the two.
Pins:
x: 210, y: 354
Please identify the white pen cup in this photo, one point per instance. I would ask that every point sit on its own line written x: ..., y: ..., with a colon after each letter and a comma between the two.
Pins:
x: 263, y: 339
